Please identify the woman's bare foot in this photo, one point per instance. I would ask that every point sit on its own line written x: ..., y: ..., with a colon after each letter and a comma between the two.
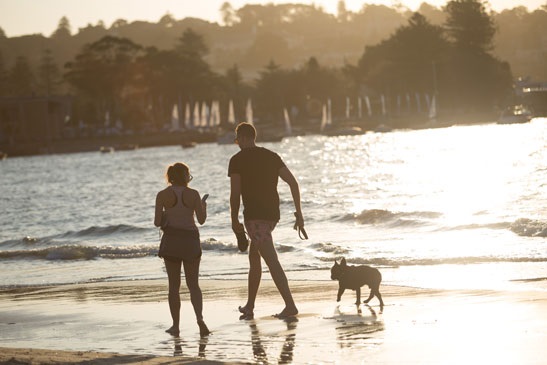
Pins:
x: 246, y: 313
x: 286, y: 313
x: 174, y: 331
x: 203, y: 330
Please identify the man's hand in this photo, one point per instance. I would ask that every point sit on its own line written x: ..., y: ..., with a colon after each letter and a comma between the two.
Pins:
x: 299, y: 220
x: 237, y: 227
x: 299, y: 226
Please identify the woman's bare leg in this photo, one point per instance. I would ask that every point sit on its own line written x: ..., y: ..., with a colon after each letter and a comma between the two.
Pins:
x: 173, y: 275
x: 191, y: 273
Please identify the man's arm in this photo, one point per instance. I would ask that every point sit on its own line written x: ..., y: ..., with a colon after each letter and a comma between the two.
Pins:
x: 235, y: 201
x: 286, y: 175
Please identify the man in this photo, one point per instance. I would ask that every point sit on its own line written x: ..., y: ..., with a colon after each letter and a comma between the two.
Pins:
x: 254, y: 173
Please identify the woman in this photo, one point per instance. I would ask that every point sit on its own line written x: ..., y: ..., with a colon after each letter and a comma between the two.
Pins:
x: 180, y: 244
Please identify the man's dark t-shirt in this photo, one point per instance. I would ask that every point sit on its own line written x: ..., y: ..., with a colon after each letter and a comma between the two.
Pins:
x: 259, y: 171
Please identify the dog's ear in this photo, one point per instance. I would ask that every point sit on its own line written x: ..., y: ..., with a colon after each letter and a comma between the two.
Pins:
x: 343, y: 262
x: 335, y: 263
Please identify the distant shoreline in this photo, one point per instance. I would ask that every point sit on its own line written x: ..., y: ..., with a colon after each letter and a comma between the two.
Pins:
x: 182, y: 138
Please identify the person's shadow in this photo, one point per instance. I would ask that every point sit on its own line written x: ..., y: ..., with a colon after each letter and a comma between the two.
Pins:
x: 287, y: 351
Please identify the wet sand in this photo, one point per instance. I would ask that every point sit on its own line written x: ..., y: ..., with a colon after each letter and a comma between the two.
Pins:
x: 124, y: 323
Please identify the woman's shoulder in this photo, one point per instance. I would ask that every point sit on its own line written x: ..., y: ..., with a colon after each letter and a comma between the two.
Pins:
x: 192, y: 192
x: 163, y: 192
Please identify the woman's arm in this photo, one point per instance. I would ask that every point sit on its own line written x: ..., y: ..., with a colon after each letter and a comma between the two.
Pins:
x: 158, y: 211
x: 200, y: 208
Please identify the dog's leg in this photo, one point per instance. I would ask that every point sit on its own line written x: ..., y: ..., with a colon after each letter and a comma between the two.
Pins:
x: 375, y: 290
x: 340, y: 292
x: 358, y: 292
x: 379, y: 296
x: 370, y: 296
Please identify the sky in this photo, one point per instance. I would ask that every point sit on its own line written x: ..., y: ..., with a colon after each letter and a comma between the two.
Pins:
x: 21, y: 17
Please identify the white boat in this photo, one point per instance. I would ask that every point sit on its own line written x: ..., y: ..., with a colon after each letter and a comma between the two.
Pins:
x: 433, y: 110
x: 175, y: 120
x: 187, y: 117
x: 288, y: 127
x: 196, y: 116
x: 249, y: 112
x: 231, y: 113
x: 324, y: 120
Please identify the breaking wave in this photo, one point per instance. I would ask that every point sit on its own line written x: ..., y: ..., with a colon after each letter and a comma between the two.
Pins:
x: 329, y: 248
x: 91, y: 232
x: 529, y: 228
x: 395, y: 262
x: 77, y: 252
x: 395, y: 219
x: 81, y: 252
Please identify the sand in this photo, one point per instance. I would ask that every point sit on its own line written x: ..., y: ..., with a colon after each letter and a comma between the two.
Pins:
x: 124, y: 323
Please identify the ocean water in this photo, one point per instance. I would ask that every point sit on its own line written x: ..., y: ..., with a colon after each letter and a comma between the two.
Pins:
x: 463, y: 207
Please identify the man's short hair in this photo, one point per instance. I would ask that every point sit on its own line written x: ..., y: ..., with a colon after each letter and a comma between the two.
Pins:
x: 246, y: 130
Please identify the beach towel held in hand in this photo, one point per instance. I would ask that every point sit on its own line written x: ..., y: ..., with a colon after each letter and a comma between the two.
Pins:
x: 181, y: 244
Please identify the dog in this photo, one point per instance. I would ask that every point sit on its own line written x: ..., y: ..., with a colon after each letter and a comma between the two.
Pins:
x: 354, y: 277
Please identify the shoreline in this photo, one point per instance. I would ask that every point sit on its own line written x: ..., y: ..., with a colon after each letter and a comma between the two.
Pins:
x: 124, y: 322
x: 190, y: 138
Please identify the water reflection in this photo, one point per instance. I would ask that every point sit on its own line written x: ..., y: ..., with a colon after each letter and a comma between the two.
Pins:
x: 287, y: 350
x: 179, y: 343
x: 358, y: 329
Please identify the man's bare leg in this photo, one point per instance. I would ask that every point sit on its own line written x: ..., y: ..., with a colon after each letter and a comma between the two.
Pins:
x: 254, y: 277
x: 267, y: 251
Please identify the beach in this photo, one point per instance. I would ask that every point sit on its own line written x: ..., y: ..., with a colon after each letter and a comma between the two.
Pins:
x: 124, y: 322
x: 454, y: 218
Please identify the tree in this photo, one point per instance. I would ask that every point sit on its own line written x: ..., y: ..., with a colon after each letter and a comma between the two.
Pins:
x: 118, y: 23
x: 49, y: 77
x: 104, y: 71
x: 228, y: 14
x: 469, y: 26
x: 342, y: 11
x: 318, y: 82
x: 192, y: 44
x: 21, y: 78
x: 270, y: 92
x: 403, y: 62
x: 3, y: 77
x: 167, y: 20
x: 234, y: 81
x: 235, y: 89
x: 63, y: 29
x: 475, y: 79
x: 268, y: 46
x: 195, y: 74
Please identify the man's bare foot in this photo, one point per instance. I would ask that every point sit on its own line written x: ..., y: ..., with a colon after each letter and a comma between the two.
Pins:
x: 174, y: 331
x: 246, y: 313
x: 203, y: 330
x: 286, y: 313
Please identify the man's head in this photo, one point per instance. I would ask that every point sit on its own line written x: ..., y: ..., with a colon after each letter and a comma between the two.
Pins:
x: 245, y: 135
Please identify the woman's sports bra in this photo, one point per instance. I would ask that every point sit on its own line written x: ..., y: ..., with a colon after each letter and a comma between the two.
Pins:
x: 179, y: 215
